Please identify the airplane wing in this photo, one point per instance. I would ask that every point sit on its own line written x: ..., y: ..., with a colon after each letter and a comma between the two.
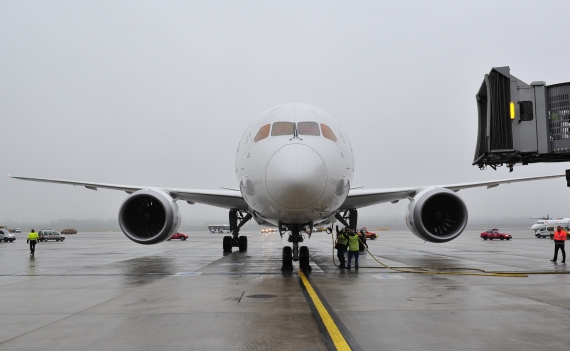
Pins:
x: 230, y: 199
x: 362, y: 198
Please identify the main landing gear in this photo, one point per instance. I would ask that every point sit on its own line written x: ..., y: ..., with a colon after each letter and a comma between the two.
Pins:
x: 296, y: 253
x: 348, y: 218
x: 237, y: 220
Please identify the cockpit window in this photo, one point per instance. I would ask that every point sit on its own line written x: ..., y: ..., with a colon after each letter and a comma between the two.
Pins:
x: 263, y: 133
x: 308, y: 128
x: 328, y: 133
x: 283, y: 128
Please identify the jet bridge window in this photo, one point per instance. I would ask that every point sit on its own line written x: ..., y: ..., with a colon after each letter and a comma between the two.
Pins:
x: 263, y: 133
x: 283, y: 128
x: 328, y: 133
x: 308, y: 128
x: 525, y: 108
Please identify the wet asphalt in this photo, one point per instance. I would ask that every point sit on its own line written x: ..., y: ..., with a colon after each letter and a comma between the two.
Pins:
x: 100, y: 291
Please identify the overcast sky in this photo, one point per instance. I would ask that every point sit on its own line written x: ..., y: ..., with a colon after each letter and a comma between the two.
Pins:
x: 159, y: 94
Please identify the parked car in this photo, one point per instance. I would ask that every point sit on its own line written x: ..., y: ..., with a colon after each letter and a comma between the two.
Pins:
x: 18, y: 230
x: 495, y: 234
x: 69, y: 231
x: 48, y: 234
x: 369, y: 235
x: 7, y: 236
x: 180, y: 236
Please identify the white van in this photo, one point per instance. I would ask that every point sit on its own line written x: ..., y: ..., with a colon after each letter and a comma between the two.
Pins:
x: 6, y: 236
x: 542, y: 232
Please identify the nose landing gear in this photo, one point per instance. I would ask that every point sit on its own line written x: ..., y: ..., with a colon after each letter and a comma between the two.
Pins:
x: 237, y: 220
x: 296, y: 254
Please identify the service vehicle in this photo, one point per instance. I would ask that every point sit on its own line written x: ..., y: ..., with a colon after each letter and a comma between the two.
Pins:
x: 369, y: 235
x: 543, y: 233
x: 180, y: 236
x: 18, y: 230
x: 6, y: 236
x: 48, y: 234
x: 69, y: 231
x: 495, y: 234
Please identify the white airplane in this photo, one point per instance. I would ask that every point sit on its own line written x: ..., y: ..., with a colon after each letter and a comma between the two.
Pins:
x: 542, y: 226
x: 294, y: 166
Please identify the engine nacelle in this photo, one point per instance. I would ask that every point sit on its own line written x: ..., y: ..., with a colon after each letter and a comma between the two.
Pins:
x: 436, y: 215
x: 149, y: 216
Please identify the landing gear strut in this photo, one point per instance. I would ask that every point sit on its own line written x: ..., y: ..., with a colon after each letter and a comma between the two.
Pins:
x: 237, y: 220
x: 300, y: 254
x: 348, y: 218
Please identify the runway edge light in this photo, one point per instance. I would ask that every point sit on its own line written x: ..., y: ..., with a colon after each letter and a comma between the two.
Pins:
x: 521, y: 123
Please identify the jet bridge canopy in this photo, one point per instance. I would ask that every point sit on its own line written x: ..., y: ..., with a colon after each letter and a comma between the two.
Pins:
x: 521, y: 123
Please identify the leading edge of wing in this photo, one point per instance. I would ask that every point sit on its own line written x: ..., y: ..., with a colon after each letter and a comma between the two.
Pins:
x: 362, y: 198
x: 220, y: 198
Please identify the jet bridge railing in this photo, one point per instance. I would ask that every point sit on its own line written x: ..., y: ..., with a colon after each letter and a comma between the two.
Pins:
x: 559, y: 117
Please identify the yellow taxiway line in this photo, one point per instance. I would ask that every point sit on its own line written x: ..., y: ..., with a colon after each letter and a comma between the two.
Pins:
x: 335, y: 334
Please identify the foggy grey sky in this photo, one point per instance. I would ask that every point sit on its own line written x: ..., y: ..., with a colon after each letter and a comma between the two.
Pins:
x: 159, y: 94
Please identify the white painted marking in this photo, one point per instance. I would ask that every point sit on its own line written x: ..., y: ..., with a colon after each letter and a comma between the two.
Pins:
x: 387, y: 276
x: 232, y: 264
x: 187, y: 274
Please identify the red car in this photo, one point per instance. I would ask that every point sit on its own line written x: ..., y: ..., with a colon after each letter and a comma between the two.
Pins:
x: 180, y: 236
x: 369, y: 235
x: 495, y: 234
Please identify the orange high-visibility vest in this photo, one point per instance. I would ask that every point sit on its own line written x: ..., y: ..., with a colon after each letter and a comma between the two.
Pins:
x: 560, y: 235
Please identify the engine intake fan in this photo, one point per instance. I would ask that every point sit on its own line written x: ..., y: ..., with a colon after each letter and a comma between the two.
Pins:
x: 436, y: 215
x: 149, y: 216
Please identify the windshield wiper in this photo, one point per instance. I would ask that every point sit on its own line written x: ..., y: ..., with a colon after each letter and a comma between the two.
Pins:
x: 295, y: 132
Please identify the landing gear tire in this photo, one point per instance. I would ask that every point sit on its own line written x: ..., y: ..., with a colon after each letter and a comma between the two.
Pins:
x: 287, y: 259
x: 304, y: 258
x: 242, y: 240
x: 227, y: 243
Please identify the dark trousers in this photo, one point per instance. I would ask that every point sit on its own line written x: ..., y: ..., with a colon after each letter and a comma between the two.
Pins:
x: 32, y: 246
x: 559, y: 246
x: 340, y: 255
x: 350, y: 255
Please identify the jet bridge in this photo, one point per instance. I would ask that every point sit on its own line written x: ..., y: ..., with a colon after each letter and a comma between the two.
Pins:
x: 521, y: 123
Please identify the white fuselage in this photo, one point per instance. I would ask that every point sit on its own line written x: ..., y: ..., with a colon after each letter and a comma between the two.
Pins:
x: 294, y: 165
x: 551, y: 223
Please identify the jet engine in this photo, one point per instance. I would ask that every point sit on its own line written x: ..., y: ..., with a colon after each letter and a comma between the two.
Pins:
x: 149, y: 216
x: 436, y: 215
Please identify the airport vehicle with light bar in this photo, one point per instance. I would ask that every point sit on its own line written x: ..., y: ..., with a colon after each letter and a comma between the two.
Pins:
x: 294, y: 166
x: 495, y: 234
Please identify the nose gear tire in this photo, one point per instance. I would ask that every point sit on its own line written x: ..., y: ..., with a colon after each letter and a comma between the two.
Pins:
x: 242, y: 243
x: 287, y: 259
x: 304, y: 258
x: 227, y: 243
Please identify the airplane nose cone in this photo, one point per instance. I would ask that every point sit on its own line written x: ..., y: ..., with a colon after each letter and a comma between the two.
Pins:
x: 296, y: 176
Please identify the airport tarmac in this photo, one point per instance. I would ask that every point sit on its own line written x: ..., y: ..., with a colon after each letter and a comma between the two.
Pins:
x: 100, y: 291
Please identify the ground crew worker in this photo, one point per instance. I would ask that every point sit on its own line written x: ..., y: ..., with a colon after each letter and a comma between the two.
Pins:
x: 362, y: 243
x: 341, y: 246
x: 32, y: 239
x: 559, y: 239
x: 353, y: 249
